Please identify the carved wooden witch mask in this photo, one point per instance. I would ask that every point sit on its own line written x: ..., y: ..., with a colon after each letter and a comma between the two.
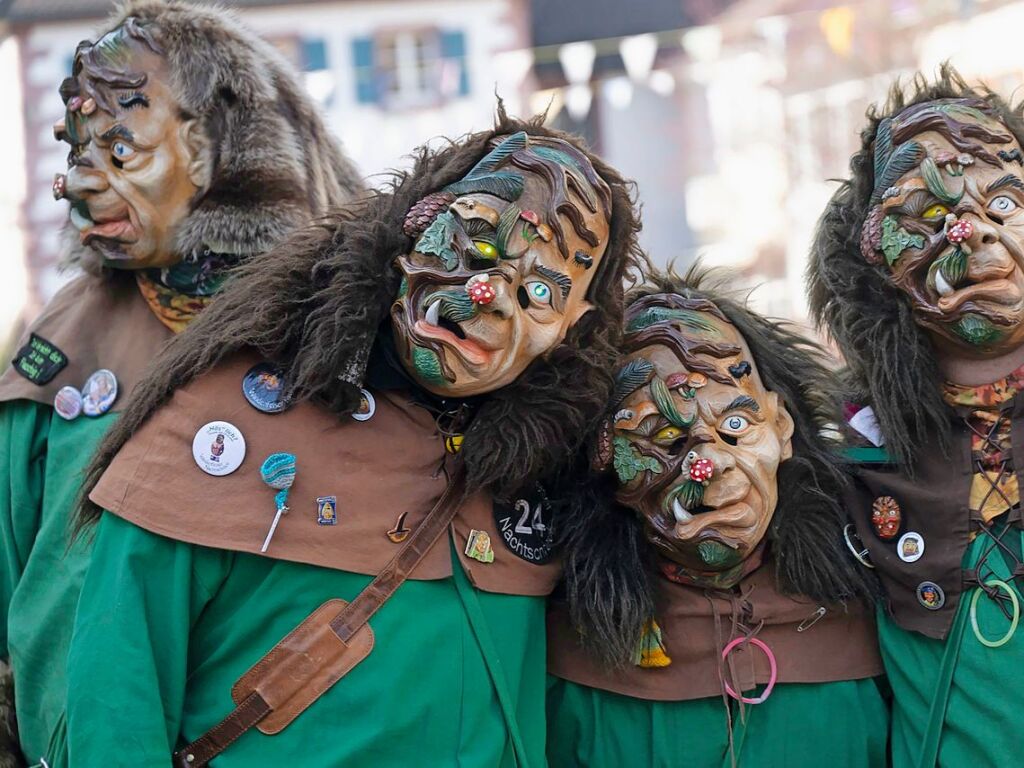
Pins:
x: 501, y: 266
x: 697, y: 439
x: 947, y: 220
x: 137, y: 161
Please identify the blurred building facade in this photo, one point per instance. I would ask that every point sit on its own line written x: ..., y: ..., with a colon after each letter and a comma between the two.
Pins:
x: 732, y: 115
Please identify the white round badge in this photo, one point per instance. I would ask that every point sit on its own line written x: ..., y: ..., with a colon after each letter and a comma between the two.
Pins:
x: 68, y: 403
x: 910, y: 547
x: 218, y: 448
x: 99, y: 392
x: 367, y: 406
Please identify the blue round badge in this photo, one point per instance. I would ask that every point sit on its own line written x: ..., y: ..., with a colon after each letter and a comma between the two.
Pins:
x: 263, y: 387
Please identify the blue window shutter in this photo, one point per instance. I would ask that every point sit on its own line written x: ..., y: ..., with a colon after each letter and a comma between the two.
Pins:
x: 453, y: 46
x: 362, y: 62
x: 314, y: 54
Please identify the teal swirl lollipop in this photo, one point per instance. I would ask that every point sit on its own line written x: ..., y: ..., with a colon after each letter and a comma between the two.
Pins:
x: 278, y: 471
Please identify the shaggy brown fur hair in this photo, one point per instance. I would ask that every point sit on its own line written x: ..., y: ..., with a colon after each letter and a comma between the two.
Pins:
x: 274, y: 163
x: 609, y: 565
x: 891, y: 360
x: 316, y: 304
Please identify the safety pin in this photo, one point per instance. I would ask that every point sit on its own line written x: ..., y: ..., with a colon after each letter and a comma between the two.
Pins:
x: 811, y: 620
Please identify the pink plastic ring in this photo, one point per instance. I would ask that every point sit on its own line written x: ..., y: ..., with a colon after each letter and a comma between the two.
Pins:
x: 771, y: 662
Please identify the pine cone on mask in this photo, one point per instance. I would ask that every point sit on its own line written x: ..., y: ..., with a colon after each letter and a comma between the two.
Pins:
x: 425, y: 211
x: 871, y: 236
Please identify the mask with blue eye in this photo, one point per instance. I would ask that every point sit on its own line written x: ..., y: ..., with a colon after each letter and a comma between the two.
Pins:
x: 539, y: 292
x: 121, y: 152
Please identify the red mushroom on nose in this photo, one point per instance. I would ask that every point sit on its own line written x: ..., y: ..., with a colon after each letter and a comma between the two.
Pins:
x: 480, y: 289
x: 959, y: 231
x: 701, y: 470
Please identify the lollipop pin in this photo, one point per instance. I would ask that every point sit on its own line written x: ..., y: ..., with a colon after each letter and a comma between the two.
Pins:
x: 278, y: 471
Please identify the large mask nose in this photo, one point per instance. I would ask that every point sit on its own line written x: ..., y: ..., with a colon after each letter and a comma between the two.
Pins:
x: 82, y: 182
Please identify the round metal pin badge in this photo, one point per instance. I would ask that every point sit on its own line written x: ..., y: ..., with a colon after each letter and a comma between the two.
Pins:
x: 930, y: 595
x: 218, y: 448
x: 367, y: 406
x: 264, y: 387
x: 99, y: 392
x: 68, y: 403
x: 910, y: 547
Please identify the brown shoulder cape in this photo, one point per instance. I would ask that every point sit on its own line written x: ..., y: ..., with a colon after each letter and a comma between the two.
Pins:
x: 377, y: 469
x: 94, y: 322
x: 697, y: 624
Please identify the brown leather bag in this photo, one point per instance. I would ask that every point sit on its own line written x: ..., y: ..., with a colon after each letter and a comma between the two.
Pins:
x: 328, y: 644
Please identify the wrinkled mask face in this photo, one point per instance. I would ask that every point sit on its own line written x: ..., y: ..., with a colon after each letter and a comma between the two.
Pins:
x: 948, y: 222
x: 501, y: 266
x: 136, y: 164
x: 697, y: 439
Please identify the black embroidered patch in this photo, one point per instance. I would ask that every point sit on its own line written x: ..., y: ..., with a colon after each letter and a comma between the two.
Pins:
x: 525, y: 525
x: 39, y: 360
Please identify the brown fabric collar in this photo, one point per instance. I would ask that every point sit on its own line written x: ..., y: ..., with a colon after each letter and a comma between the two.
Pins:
x: 378, y: 470
x: 696, y: 624
x: 96, y: 322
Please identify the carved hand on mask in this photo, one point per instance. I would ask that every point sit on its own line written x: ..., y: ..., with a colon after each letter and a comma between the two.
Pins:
x: 136, y: 163
x: 697, y: 438
x: 501, y: 267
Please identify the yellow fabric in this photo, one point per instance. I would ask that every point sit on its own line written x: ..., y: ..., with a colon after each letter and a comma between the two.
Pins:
x: 994, y: 489
x: 175, y: 310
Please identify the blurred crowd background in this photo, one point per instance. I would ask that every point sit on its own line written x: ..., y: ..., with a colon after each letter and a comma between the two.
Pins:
x: 733, y: 116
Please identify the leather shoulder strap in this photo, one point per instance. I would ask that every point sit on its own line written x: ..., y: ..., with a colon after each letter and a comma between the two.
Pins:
x: 280, y: 686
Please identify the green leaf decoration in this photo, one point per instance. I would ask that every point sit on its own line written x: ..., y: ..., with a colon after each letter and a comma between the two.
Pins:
x: 630, y: 378
x: 456, y: 305
x: 427, y: 365
x: 514, y: 143
x: 961, y: 111
x: 629, y: 462
x: 902, y: 160
x: 693, y: 320
x: 483, y: 177
x: 503, y: 184
x: 976, y: 330
x: 691, y: 495
x: 953, y: 266
x: 528, y: 235
x: 715, y: 554
x: 883, y: 146
x: 936, y: 184
x: 895, y: 239
x: 437, y: 240
x: 508, y: 220
x: 666, y: 406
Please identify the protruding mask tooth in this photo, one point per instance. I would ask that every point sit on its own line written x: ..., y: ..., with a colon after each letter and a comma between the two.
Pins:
x: 78, y: 221
x: 433, y: 313
x: 680, y: 513
x: 943, y: 287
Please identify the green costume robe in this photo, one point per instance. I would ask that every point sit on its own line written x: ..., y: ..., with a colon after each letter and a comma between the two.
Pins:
x: 95, y: 324
x: 179, y: 603
x: 958, y: 698
x: 828, y: 708
x: 955, y: 699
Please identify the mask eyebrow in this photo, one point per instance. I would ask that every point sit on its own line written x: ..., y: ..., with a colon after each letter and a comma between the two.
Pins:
x: 117, y: 132
x: 743, y: 401
x: 564, y: 282
x: 1009, y: 180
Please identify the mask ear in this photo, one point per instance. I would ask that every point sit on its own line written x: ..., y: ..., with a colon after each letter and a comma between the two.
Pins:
x: 601, y: 459
x: 784, y: 424
x: 197, y: 146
